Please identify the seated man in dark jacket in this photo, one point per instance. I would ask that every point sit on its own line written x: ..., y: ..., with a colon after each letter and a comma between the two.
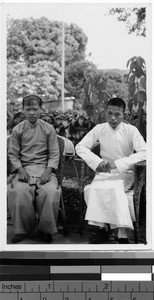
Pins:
x: 34, y: 154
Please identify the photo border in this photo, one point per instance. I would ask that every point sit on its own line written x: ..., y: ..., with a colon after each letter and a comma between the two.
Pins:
x: 75, y: 247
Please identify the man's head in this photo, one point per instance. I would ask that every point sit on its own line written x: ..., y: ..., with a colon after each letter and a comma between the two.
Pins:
x: 32, y: 107
x: 115, y: 111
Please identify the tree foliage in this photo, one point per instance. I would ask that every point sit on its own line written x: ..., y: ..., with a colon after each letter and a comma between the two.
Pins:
x: 34, y: 54
x: 134, y: 18
x: 41, y: 39
x: 75, y: 77
x: 137, y: 91
x: 116, y: 85
x: 96, y: 96
x: 43, y: 78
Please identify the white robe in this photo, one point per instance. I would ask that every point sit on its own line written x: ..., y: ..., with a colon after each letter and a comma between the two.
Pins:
x: 107, y: 196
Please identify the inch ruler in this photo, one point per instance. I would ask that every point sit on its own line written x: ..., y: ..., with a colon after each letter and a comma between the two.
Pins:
x: 77, y: 290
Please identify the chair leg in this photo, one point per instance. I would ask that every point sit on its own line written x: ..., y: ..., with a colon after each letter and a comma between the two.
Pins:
x: 136, y: 232
x: 81, y: 221
x: 63, y: 214
x: 82, y: 216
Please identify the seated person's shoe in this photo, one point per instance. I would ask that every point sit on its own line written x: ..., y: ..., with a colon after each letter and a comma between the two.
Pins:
x: 18, y: 238
x: 123, y: 241
x: 100, y: 237
x: 47, y: 237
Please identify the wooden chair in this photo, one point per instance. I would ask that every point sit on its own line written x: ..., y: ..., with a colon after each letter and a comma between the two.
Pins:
x: 139, y: 182
x: 60, y: 176
x: 59, y: 173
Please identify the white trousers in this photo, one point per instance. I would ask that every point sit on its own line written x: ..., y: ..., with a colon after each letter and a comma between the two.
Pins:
x: 108, y: 200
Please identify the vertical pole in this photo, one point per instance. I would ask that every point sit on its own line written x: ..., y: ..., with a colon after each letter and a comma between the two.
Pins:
x: 63, y: 66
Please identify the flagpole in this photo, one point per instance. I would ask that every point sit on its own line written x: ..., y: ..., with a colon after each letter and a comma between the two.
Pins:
x: 63, y: 65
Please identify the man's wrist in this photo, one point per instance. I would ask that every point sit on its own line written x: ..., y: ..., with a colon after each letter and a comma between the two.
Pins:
x: 52, y: 170
x: 20, y: 169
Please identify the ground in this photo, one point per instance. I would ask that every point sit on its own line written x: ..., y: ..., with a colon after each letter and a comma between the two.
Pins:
x: 73, y: 236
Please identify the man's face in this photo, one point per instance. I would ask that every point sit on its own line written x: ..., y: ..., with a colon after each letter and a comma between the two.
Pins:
x: 114, y: 115
x: 32, y: 111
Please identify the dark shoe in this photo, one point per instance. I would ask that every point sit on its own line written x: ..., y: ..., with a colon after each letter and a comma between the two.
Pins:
x: 47, y: 237
x: 18, y: 238
x: 123, y: 241
x: 100, y: 237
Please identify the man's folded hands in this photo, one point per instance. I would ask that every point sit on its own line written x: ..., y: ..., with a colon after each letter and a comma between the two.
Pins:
x: 106, y: 167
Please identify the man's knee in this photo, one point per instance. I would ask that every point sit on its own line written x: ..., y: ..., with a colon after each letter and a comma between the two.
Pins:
x: 51, y: 192
x: 51, y: 188
x: 18, y: 188
x: 20, y: 193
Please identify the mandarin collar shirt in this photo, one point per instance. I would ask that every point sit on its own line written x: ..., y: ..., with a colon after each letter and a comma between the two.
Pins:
x: 115, y: 144
x: 34, y: 145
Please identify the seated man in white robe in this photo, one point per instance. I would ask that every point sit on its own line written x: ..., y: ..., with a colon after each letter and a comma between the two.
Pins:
x: 121, y: 146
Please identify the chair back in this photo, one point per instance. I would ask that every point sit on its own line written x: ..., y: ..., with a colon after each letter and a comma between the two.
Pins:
x: 61, y: 159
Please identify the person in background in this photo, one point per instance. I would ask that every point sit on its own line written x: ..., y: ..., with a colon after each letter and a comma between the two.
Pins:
x: 106, y: 196
x: 34, y: 155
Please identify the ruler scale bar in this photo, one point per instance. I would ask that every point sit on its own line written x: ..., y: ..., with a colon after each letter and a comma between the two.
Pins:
x: 77, y: 296
x: 75, y: 286
x: 74, y: 290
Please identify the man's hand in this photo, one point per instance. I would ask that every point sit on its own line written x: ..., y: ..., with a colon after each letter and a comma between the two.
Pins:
x: 102, y: 167
x: 111, y: 165
x: 46, y: 176
x: 23, y: 176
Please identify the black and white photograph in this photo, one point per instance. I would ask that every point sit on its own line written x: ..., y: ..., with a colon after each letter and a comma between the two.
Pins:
x: 77, y: 92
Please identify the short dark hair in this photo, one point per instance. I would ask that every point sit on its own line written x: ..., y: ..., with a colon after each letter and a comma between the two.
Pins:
x: 30, y: 97
x: 117, y: 102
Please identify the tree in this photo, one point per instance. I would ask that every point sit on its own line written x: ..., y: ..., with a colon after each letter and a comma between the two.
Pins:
x: 43, y: 78
x: 134, y: 19
x: 117, y: 89
x: 137, y: 91
x: 75, y: 44
x: 41, y: 39
x: 116, y: 85
x: 96, y: 96
x: 34, y: 50
x: 75, y: 77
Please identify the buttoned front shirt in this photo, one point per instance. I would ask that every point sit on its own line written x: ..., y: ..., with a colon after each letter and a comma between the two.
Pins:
x: 34, y: 146
x: 115, y: 144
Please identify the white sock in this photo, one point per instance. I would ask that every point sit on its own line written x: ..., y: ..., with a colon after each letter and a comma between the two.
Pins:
x: 122, y: 234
